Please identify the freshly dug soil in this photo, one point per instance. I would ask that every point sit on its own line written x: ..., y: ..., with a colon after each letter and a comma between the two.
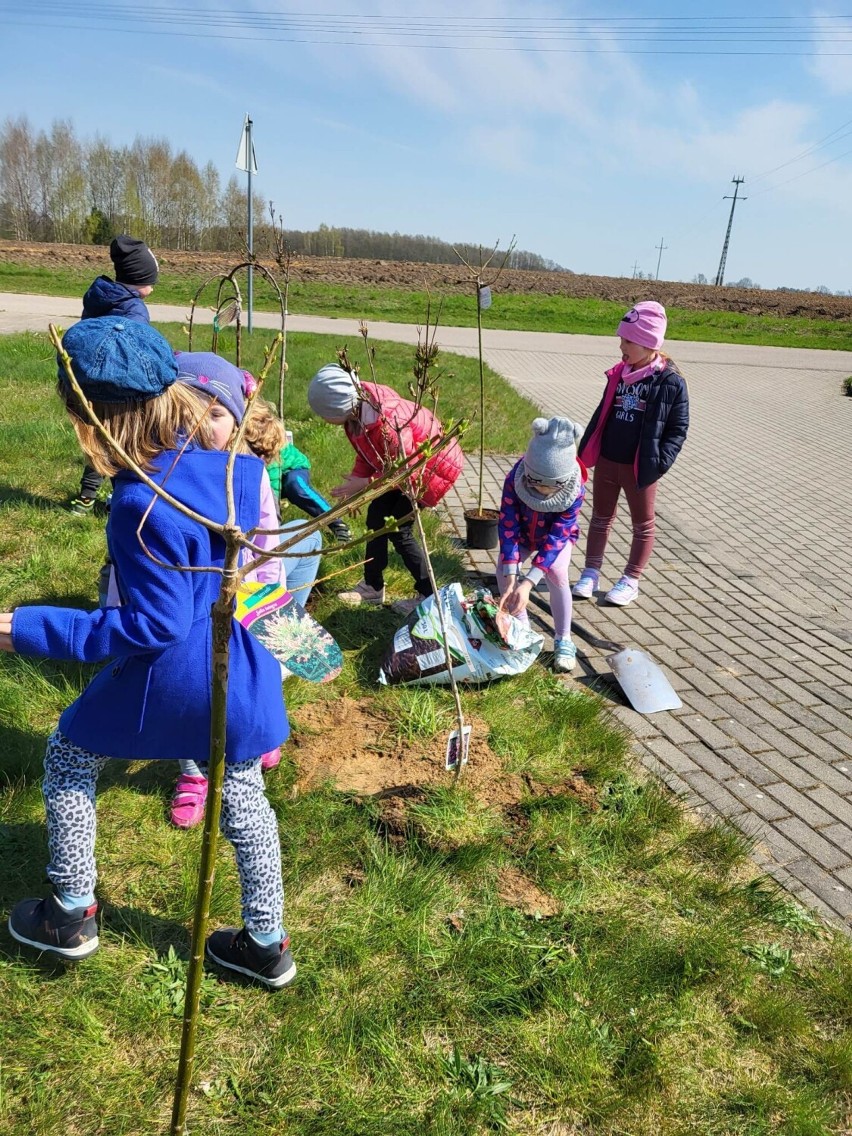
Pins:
x: 453, y: 278
x: 348, y: 743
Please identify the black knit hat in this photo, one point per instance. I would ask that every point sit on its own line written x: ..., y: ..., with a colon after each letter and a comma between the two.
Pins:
x: 134, y: 262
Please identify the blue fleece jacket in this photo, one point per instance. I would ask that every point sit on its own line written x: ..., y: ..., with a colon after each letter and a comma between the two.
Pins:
x: 108, y: 298
x: 153, y: 700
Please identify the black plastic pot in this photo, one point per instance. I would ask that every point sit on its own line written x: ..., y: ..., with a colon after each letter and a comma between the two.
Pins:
x: 481, y: 528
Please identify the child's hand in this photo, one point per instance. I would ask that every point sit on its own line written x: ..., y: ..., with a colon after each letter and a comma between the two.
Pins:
x: 515, y: 600
x: 6, y: 632
x: 350, y: 485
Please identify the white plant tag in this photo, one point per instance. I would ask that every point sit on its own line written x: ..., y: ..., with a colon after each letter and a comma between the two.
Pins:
x: 484, y: 298
x: 452, y: 756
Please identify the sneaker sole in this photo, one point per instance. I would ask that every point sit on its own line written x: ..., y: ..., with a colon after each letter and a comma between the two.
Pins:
x: 620, y: 602
x: 582, y: 595
x: 81, y: 952
x: 564, y: 668
x: 275, y: 983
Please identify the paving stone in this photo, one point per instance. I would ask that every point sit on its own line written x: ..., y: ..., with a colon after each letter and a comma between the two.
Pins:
x: 742, y: 711
x: 824, y: 884
x: 757, y: 799
x: 713, y: 793
x: 707, y: 759
x: 747, y: 766
x: 747, y: 738
x: 839, y: 699
x: 803, y: 693
x: 776, y: 847
x: 672, y: 728
x: 701, y: 681
x: 779, y: 741
x: 812, y: 844
x: 801, y: 805
x: 672, y: 756
x: 699, y: 704
x: 709, y: 733
x: 830, y: 776
x: 833, y: 803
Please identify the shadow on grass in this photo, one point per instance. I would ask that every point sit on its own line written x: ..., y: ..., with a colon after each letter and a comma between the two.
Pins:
x: 14, y: 495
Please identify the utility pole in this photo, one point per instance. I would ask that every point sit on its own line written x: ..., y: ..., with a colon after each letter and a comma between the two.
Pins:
x: 660, y: 246
x: 635, y: 268
x: 738, y: 181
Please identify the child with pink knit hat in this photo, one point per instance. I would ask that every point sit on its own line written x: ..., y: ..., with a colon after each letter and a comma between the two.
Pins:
x: 632, y: 439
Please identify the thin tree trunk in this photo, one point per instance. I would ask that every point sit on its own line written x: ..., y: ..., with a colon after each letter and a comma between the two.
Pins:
x: 222, y: 613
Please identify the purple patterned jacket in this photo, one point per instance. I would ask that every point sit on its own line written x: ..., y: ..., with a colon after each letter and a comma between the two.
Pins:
x: 546, y: 534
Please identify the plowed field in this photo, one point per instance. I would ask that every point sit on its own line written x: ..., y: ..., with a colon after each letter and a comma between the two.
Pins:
x: 449, y: 278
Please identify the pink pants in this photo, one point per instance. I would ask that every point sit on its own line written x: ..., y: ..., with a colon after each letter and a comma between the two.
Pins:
x: 558, y: 586
x: 609, y: 479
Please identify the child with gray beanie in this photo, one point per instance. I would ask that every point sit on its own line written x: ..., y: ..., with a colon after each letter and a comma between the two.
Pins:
x: 383, y: 427
x: 539, y: 511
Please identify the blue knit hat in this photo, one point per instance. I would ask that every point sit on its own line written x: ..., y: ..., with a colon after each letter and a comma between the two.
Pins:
x: 217, y: 378
x: 119, y: 360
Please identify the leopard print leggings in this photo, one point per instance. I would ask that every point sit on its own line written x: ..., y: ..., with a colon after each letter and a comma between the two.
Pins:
x: 247, y: 821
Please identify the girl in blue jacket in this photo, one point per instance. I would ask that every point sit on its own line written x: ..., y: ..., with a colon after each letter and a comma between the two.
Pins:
x: 539, y: 512
x: 153, y: 699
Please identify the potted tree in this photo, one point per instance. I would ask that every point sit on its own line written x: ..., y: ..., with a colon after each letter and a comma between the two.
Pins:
x: 481, y: 523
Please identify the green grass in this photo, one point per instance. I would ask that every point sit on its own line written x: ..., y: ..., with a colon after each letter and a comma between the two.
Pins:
x: 673, y: 992
x: 516, y: 312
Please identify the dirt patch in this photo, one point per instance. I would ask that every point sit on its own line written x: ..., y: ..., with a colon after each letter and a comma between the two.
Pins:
x: 518, y: 891
x: 348, y: 743
x: 453, y: 278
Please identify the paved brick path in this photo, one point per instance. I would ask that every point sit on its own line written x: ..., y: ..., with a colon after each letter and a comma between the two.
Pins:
x: 747, y: 602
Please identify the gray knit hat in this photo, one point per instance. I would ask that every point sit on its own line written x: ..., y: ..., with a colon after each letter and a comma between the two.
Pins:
x: 332, y: 392
x: 551, y: 456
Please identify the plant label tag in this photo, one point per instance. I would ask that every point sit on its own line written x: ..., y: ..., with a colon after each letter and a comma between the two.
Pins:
x: 452, y: 757
x: 289, y: 437
x: 484, y: 298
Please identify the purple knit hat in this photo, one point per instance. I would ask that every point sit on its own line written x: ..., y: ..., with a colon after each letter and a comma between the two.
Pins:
x: 644, y: 324
x: 217, y: 378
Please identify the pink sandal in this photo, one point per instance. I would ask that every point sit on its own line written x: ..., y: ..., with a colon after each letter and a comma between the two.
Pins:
x: 188, y: 801
x: 271, y: 759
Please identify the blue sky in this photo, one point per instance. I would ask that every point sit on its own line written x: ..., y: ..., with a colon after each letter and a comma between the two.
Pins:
x: 590, y: 158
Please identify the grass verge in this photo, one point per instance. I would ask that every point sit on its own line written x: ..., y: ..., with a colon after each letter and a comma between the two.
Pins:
x: 665, y: 988
x: 513, y: 312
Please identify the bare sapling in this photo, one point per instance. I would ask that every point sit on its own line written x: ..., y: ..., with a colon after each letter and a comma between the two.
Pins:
x: 423, y: 389
x: 235, y: 541
x: 483, y: 282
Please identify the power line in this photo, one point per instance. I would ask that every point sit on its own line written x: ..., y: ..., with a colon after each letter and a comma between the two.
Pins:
x: 480, y: 34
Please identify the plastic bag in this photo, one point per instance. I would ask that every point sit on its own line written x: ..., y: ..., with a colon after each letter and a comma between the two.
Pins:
x: 484, y: 643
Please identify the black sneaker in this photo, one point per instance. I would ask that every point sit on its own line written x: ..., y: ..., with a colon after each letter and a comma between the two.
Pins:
x: 236, y: 950
x: 82, y: 506
x: 340, y: 531
x: 48, y: 926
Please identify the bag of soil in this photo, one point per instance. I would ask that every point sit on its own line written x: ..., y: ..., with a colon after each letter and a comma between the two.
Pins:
x: 484, y: 643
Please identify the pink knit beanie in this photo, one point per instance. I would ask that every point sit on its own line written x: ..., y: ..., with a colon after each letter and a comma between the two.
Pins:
x: 644, y: 324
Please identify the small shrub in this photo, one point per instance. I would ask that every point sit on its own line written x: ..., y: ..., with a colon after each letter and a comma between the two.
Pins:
x: 847, y: 386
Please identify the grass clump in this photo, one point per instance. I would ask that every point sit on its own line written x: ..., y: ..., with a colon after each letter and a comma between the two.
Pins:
x: 656, y: 984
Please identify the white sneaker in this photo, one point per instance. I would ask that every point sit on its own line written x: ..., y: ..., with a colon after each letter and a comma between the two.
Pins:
x: 584, y: 589
x: 406, y: 607
x: 362, y: 593
x: 564, y: 656
x: 624, y: 592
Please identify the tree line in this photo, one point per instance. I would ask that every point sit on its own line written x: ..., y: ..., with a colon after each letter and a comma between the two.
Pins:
x: 55, y: 186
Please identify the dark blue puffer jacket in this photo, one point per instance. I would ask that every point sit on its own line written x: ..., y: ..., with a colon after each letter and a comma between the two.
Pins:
x: 108, y: 298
